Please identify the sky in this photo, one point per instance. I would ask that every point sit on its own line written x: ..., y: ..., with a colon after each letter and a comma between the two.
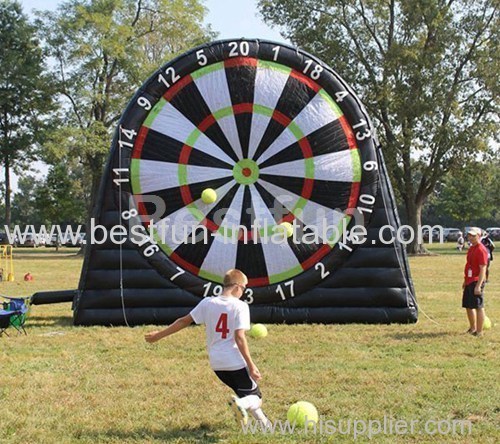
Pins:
x: 230, y: 18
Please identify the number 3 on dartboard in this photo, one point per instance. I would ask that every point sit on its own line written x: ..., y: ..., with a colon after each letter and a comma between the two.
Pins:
x: 249, y: 296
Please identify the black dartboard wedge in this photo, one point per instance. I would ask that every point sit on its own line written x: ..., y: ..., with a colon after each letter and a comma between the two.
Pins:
x: 280, y: 139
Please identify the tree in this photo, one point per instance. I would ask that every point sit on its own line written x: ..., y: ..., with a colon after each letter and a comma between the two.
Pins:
x: 471, y: 199
x: 62, y: 198
x: 57, y: 199
x: 24, y: 94
x: 104, y: 50
x: 24, y: 203
x: 427, y: 71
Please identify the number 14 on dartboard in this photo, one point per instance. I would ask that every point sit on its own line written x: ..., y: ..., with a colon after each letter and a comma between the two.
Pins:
x: 125, y: 141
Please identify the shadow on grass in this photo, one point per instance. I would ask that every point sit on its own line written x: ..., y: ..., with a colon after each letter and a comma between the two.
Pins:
x: 451, y: 253
x: 422, y: 335
x: 44, y: 321
x: 44, y: 258
x: 201, y: 434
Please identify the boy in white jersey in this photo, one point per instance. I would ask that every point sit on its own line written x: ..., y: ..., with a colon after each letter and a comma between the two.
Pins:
x: 226, y: 318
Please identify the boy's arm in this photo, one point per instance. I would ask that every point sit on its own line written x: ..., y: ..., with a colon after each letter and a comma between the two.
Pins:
x: 482, y: 278
x: 176, y: 326
x: 241, y: 342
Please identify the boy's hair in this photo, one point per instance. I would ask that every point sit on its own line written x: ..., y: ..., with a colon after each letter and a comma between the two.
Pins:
x: 234, y: 276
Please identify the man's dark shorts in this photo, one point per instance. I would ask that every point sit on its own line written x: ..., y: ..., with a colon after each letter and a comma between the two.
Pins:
x: 470, y: 300
x: 240, y: 381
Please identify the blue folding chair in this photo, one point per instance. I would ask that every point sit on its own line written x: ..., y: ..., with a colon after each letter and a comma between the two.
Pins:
x: 13, y: 314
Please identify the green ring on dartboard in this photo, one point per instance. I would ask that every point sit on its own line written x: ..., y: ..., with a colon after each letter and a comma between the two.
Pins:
x: 277, y: 135
x: 246, y: 172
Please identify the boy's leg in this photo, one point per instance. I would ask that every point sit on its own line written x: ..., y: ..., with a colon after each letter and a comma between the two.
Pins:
x: 251, y: 397
x: 479, y: 303
x: 239, y: 411
x: 247, y: 389
x: 469, y: 303
x: 253, y: 404
x: 480, y: 320
x: 471, y: 316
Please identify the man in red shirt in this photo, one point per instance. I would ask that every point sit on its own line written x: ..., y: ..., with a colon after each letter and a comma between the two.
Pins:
x: 474, y: 278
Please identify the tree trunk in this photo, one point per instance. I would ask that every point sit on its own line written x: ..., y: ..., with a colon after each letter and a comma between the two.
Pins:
x: 414, y: 213
x: 96, y: 181
x: 7, y: 190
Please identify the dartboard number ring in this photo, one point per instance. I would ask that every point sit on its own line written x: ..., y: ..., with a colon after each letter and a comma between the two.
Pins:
x: 276, y: 136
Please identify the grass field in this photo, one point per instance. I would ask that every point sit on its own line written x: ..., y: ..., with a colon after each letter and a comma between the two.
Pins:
x: 65, y: 384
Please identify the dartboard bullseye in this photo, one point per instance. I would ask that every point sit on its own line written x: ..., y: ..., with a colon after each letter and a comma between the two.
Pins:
x: 277, y: 137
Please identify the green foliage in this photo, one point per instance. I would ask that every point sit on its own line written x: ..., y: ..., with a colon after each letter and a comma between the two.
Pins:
x: 62, y: 198
x: 24, y: 207
x: 58, y: 199
x: 471, y: 198
x: 427, y: 71
x: 25, y: 95
x: 104, y: 50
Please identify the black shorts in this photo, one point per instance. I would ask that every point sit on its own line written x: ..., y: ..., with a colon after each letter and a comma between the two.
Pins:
x: 470, y: 300
x: 240, y: 381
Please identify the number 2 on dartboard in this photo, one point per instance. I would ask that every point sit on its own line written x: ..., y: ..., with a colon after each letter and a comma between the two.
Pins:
x: 320, y: 266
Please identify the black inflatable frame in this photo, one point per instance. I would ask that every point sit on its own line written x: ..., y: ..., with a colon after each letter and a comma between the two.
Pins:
x: 373, y: 285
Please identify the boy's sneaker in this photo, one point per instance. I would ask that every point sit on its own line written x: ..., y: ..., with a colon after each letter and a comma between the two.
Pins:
x: 240, y: 413
x: 479, y: 334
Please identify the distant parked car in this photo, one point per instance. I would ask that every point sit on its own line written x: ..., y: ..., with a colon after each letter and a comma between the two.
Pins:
x: 78, y: 242
x: 15, y: 243
x: 28, y: 240
x: 4, y: 240
x: 435, y: 235
x: 494, y: 233
x: 54, y: 241
x: 466, y: 229
x: 451, y: 234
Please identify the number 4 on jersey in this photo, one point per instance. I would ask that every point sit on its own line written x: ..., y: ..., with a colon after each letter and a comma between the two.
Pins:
x: 221, y: 326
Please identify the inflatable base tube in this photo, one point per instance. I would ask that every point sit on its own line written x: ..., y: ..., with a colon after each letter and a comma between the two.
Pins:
x: 268, y: 315
x: 53, y: 297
